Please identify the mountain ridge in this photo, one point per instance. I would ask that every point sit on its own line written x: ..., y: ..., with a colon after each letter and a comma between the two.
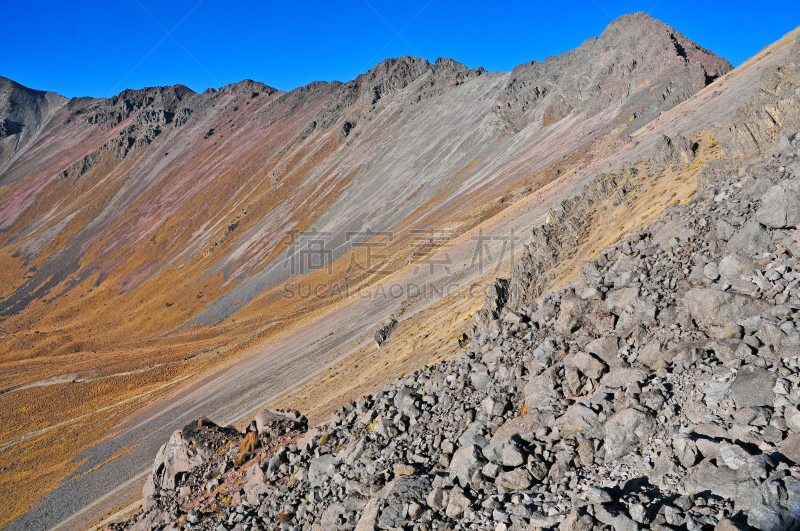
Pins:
x: 656, y: 387
x: 142, y: 232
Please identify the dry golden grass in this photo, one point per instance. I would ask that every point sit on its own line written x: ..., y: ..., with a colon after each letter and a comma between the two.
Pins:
x: 246, y: 446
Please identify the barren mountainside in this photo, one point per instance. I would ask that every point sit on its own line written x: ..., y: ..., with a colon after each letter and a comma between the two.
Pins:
x: 657, y: 388
x: 148, y: 238
x: 202, y: 183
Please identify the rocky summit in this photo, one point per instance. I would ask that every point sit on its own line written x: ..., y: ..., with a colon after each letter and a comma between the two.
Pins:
x: 660, y: 389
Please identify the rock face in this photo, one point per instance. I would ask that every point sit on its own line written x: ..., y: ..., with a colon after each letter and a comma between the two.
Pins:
x: 382, y: 334
x: 495, y: 300
x: 582, y: 88
x: 774, y: 113
x: 23, y: 112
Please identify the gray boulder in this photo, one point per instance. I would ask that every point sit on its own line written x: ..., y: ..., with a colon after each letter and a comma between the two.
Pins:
x: 735, y: 265
x: 627, y: 429
x: 711, y: 307
x: 780, y: 206
x: 340, y: 516
x: 707, y: 477
x: 398, y: 495
x: 753, y: 387
x: 790, y: 447
x: 495, y: 450
x: 541, y: 390
x: 513, y: 481
x: 625, y: 376
x: 321, y: 469
x: 618, y: 299
x: 587, y: 364
x: 751, y: 239
x: 775, y: 504
x: 480, y: 379
x: 581, y: 419
x: 389, y: 508
x: 473, y: 436
x: 173, y: 460
x: 465, y: 463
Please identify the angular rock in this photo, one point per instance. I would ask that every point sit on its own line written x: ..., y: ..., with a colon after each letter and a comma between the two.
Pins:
x: 466, y: 461
x: 618, y: 299
x: 495, y: 450
x: 753, y: 387
x: 711, y: 307
x: 734, y: 265
x: 513, y: 481
x: 321, y: 469
x: 625, y: 430
x: 751, y: 239
x: 625, y: 376
x: 705, y: 476
x: 587, y: 364
x: 541, y: 390
x: 780, y: 206
x: 775, y: 504
x: 581, y: 419
x: 790, y: 447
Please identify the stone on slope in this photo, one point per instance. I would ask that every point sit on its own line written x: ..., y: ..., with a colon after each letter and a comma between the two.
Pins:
x: 525, y: 425
x: 618, y: 299
x: 587, y: 364
x: 622, y: 377
x: 495, y: 450
x: 321, y: 469
x: 707, y: 477
x: 775, y: 504
x: 513, y: 480
x: 465, y: 463
x: 711, y: 307
x: 625, y: 430
x: 780, y: 206
x: 734, y: 265
x: 581, y: 419
x: 541, y: 391
x: 790, y: 447
x: 174, y: 458
x: 751, y: 239
x: 753, y: 387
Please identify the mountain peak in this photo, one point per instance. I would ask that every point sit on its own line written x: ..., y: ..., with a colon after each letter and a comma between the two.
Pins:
x: 248, y: 86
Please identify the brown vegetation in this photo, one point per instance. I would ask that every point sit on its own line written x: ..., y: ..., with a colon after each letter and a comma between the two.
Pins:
x: 247, y: 445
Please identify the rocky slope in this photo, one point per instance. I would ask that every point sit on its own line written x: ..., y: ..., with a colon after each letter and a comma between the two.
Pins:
x: 660, y: 389
x: 145, y: 237
x: 318, y: 154
x: 23, y: 113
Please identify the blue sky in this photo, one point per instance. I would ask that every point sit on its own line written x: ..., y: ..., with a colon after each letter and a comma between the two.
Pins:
x: 92, y: 48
